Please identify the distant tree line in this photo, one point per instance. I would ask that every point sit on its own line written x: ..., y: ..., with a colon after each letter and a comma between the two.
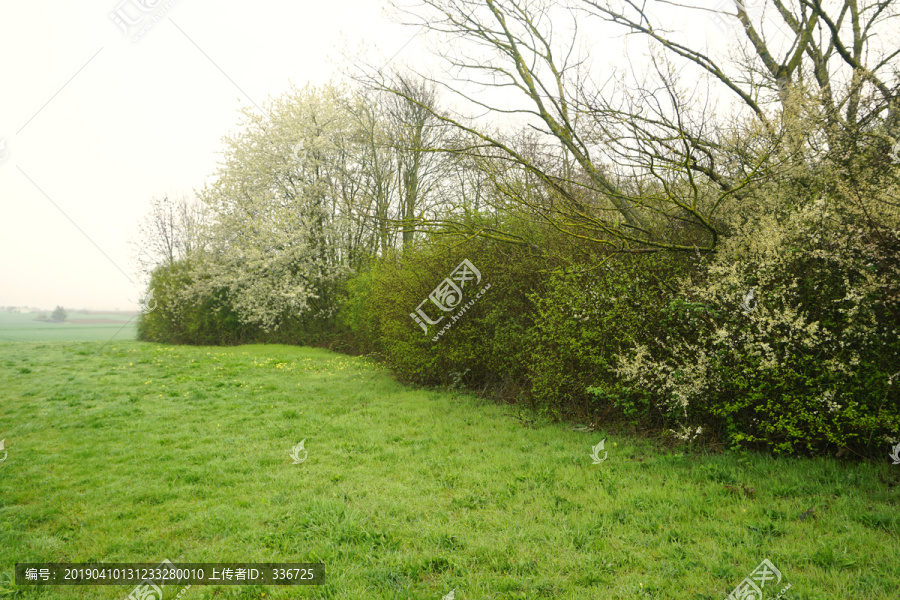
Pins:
x: 58, y: 315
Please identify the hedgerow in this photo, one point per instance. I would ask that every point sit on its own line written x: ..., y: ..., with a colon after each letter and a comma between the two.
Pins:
x: 812, y: 361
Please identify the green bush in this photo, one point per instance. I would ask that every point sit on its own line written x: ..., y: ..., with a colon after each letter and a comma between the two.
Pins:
x: 485, y: 343
x: 178, y: 317
x: 815, y: 364
x: 542, y: 335
x: 585, y: 317
x: 379, y: 307
x: 184, y: 316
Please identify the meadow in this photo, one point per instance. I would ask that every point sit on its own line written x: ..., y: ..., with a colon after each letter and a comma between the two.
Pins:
x: 93, y: 326
x: 137, y: 452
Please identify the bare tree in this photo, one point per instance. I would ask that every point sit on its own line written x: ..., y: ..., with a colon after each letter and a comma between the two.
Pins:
x: 839, y: 57
x: 170, y: 231
x: 636, y: 161
x: 377, y: 210
x: 416, y: 132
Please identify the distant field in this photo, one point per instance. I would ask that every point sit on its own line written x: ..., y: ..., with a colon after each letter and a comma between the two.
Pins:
x: 80, y: 327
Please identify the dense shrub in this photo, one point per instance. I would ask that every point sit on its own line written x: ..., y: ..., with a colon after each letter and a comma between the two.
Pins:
x: 183, y: 315
x: 813, y: 362
x: 544, y: 335
x: 485, y: 341
x: 585, y: 317
x: 179, y: 318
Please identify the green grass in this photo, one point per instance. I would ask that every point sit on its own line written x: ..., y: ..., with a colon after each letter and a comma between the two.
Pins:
x: 143, y: 452
x: 21, y: 327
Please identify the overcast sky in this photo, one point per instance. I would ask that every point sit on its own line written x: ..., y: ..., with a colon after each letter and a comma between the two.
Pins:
x: 93, y: 124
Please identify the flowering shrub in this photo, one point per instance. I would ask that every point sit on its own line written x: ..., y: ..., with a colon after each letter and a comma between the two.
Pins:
x: 185, y: 316
x: 181, y: 318
x: 586, y: 317
x: 813, y: 361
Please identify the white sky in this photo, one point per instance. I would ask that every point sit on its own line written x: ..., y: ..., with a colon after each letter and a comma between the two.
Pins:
x: 96, y: 125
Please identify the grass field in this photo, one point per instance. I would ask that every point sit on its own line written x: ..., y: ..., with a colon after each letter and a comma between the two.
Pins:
x: 142, y: 452
x: 95, y: 326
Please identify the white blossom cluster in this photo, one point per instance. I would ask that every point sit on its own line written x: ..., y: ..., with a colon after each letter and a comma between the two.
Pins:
x: 683, y: 372
x: 282, y: 226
